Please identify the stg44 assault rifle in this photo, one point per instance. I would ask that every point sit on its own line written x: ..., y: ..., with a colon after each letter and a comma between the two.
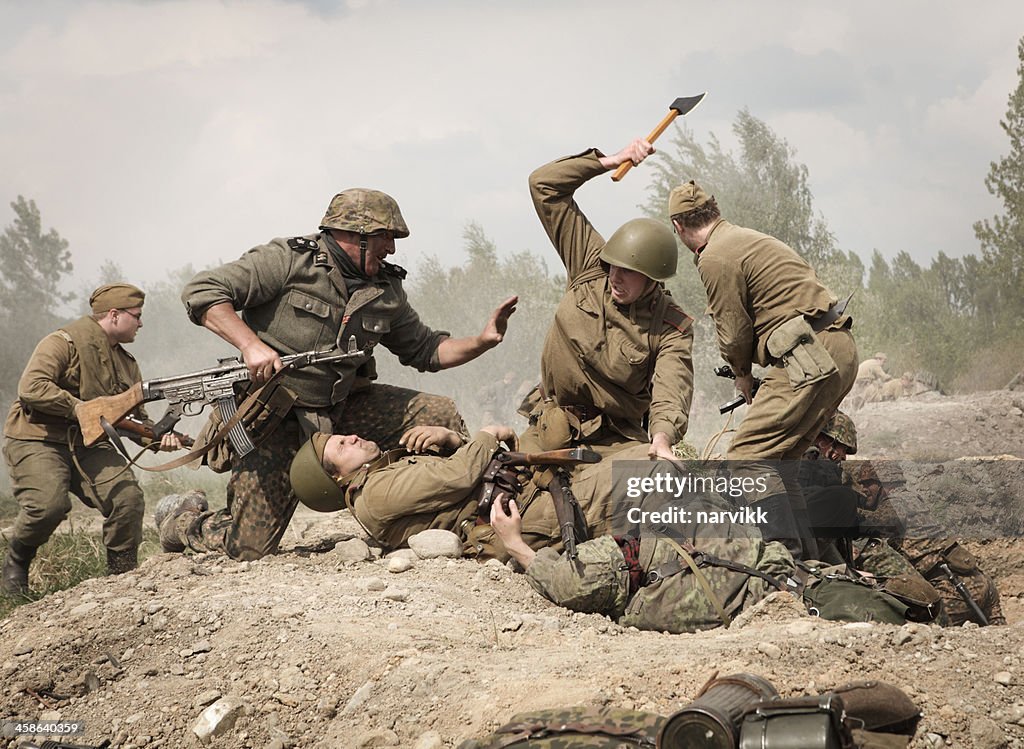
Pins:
x: 502, y: 482
x: 726, y: 371
x: 188, y: 394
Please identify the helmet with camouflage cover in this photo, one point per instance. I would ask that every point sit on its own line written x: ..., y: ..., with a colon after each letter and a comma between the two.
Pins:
x: 644, y: 245
x: 311, y: 482
x: 841, y: 428
x: 365, y: 211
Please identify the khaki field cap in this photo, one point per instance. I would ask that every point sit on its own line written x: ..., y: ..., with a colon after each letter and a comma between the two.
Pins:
x: 311, y: 483
x: 116, y: 296
x: 644, y: 245
x: 841, y: 428
x: 365, y: 212
x: 685, y: 198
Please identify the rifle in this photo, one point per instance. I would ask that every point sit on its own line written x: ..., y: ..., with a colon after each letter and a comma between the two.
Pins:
x: 182, y: 392
x: 501, y: 483
x: 739, y: 400
x: 131, y: 425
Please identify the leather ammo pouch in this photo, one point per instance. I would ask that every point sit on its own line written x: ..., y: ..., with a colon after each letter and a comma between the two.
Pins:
x: 813, y: 722
x: 795, y: 345
x: 500, y: 483
x: 272, y: 404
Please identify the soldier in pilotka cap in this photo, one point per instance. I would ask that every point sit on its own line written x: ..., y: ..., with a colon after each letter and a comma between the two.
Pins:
x: 770, y: 309
x: 311, y: 292
x: 45, y: 456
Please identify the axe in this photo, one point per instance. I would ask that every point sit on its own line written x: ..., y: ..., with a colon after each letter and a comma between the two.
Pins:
x: 682, y: 105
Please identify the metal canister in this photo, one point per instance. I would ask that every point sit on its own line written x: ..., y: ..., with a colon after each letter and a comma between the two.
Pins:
x: 712, y: 720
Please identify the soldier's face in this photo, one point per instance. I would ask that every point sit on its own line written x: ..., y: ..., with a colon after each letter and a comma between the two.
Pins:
x: 831, y: 449
x: 626, y: 285
x: 344, y: 453
x: 125, y: 324
x: 378, y: 247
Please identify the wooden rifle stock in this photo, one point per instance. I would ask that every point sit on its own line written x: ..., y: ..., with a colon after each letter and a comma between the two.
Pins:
x: 113, y: 408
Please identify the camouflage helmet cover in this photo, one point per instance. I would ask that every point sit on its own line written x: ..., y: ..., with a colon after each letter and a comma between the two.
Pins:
x: 645, y: 246
x: 311, y: 482
x: 841, y: 428
x: 365, y: 212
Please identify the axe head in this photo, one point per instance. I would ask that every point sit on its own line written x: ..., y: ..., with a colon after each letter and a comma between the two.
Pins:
x: 686, y: 104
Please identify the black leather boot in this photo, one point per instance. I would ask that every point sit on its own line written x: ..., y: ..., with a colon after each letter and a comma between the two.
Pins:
x: 14, y: 577
x: 122, y: 561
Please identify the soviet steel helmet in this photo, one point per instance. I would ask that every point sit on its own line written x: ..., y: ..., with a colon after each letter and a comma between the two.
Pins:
x: 841, y: 428
x: 365, y: 212
x: 311, y: 482
x: 644, y: 245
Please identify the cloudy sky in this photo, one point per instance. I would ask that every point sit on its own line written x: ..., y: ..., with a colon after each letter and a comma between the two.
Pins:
x: 157, y: 134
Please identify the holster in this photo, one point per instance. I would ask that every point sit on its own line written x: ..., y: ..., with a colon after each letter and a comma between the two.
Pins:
x: 795, y: 344
x: 500, y: 483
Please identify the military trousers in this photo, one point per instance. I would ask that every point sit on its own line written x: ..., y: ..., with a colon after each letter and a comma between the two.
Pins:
x: 43, y: 474
x: 260, y: 502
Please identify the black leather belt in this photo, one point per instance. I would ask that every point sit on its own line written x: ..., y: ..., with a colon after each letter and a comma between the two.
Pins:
x: 583, y: 413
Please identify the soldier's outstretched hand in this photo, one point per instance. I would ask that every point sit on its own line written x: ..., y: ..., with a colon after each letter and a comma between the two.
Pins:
x: 495, y: 329
x: 638, y: 150
x: 502, y: 433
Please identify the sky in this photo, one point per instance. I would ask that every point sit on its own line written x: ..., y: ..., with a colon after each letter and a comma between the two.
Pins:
x: 157, y: 134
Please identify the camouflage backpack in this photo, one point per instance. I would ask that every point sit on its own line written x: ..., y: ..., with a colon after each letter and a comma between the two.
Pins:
x: 574, y: 728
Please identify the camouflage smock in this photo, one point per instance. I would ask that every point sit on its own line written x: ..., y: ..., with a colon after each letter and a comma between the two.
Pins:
x: 597, y: 353
x: 675, y: 604
x: 293, y: 295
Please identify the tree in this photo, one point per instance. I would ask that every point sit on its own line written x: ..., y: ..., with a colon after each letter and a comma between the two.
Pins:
x: 1002, y: 237
x: 32, y: 268
x: 459, y: 299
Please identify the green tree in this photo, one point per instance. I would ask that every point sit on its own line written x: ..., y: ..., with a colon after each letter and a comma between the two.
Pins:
x: 33, y: 265
x: 1002, y: 237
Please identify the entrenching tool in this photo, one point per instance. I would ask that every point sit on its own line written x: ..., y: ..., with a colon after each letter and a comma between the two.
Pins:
x: 682, y: 105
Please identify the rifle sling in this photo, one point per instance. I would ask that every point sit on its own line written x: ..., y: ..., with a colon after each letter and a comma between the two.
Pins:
x: 702, y: 581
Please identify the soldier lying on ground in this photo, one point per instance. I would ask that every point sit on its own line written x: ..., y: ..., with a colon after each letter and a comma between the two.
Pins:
x: 646, y: 582
x: 431, y: 482
x: 881, y: 545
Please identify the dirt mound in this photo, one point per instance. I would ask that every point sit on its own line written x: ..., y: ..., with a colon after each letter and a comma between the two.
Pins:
x: 323, y: 645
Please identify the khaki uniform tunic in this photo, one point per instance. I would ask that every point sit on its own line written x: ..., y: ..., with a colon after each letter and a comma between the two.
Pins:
x: 598, y: 353
x: 59, y: 375
x: 755, y: 283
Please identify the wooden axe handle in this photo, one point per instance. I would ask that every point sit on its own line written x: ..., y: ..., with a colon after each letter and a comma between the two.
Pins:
x: 665, y: 122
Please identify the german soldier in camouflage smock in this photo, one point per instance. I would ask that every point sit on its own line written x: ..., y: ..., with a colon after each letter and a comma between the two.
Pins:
x: 85, y: 359
x: 770, y: 309
x: 616, y: 366
x: 309, y: 293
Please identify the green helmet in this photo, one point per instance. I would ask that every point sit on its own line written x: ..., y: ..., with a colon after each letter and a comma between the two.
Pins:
x: 644, y: 245
x: 365, y: 212
x: 840, y: 428
x: 311, y: 483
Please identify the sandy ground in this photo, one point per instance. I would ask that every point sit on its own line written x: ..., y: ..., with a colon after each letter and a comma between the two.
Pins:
x: 321, y: 647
